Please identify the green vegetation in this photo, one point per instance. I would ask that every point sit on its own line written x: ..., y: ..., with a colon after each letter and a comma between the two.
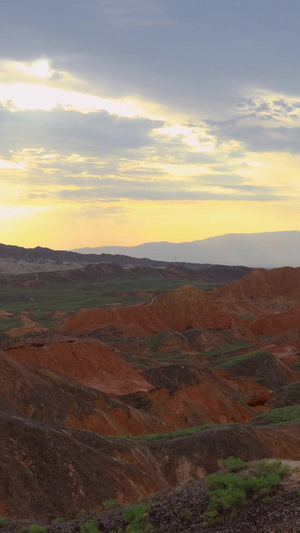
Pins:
x: 157, y: 436
x: 137, y: 519
x: 222, y: 353
x: 3, y: 521
x: 135, y: 516
x: 226, y: 351
x: 288, y: 395
x: 234, y: 464
x: 155, y: 340
x: 233, y: 361
x: 229, y: 492
x: 9, y: 323
x: 279, y: 416
x: 174, y: 356
x: 36, y: 528
x: 58, y: 521
x: 110, y: 504
x: 89, y: 527
x: 41, y: 302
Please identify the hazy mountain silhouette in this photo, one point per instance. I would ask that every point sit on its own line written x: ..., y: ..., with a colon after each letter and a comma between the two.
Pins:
x: 271, y: 249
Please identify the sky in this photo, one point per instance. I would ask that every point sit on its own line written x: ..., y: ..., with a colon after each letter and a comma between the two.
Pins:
x: 131, y: 121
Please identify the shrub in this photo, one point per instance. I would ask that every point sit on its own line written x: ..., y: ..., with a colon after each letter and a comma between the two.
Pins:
x: 3, y: 521
x: 229, y: 492
x: 278, y: 416
x: 58, y: 521
x: 24, y: 529
x: 89, y: 527
x: 234, y: 464
x: 36, y: 528
x: 136, y: 516
x: 110, y: 504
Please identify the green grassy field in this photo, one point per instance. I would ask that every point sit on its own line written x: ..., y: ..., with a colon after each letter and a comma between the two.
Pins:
x: 41, y: 302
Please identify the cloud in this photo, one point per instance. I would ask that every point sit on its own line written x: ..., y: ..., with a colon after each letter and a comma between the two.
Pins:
x: 258, y: 138
x: 95, y: 134
x: 99, y: 156
x: 268, y: 107
x: 143, y: 192
x: 264, y: 122
x: 134, y: 12
x: 193, y: 57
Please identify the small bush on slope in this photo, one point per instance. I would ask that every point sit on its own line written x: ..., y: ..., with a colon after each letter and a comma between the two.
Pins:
x: 281, y: 415
x: 36, y: 528
x: 135, y: 516
x: 230, y: 492
x: 234, y: 464
x: 110, y: 504
x: 89, y: 527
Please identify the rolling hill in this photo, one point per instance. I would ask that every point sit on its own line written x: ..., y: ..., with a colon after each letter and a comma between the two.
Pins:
x: 269, y: 250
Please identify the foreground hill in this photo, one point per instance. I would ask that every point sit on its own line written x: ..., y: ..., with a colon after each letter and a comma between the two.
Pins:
x: 181, y: 510
x: 50, y: 472
x: 270, y: 250
x: 125, y: 402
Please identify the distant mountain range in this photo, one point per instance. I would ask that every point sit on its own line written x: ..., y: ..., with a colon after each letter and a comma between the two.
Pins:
x: 268, y: 250
x: 64, y: 257
x: 22, y: 267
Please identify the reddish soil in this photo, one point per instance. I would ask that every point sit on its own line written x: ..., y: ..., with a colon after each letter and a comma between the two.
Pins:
x: 273, y: 324
x: 49, y: 472
x: 88, y: 362
x: 266, y: 286
x: 28, y: 326
x: 177, y: 310
x: 276, y: 291
x: 184, y: 359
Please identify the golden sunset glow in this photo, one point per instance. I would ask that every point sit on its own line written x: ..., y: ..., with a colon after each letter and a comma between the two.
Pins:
x: 109, y: 142
x: 23, y: 97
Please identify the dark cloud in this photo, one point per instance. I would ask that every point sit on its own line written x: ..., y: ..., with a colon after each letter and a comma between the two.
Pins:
x: 95, y: 134
x: 193, y: 55
x: 259, y: 138
x: 197, y: 57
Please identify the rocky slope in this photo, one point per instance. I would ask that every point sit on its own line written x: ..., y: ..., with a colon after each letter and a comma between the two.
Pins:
x: 228, y: 359
x: 86, y: 469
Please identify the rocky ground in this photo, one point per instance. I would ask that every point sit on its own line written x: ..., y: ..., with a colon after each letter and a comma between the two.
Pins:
x: 181, y: 510
x: 228, y: 359
x: 15, y: 267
